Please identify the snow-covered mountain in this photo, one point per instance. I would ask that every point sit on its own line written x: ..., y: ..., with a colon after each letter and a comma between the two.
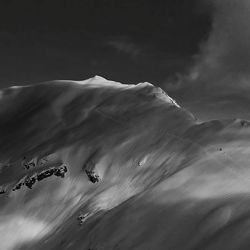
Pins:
x: 97, y: 164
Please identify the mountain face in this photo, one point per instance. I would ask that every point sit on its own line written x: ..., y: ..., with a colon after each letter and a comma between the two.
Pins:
x: 97, y: 164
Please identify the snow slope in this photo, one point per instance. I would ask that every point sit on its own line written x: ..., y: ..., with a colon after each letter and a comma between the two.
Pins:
x: 165, y: 181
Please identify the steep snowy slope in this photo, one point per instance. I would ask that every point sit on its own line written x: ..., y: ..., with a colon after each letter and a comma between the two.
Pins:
x: 140, y: 171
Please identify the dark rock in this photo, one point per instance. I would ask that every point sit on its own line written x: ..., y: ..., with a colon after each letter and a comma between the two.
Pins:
x: 92, y: 176
x: 2, y: 191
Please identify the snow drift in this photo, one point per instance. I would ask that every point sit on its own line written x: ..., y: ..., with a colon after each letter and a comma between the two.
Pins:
x: 138, y: 171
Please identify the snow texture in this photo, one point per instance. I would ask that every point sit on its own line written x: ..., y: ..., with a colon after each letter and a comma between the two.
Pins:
x: 141, y: 172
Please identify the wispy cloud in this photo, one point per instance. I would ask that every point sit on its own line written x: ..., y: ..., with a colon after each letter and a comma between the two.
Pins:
x: 124, y: 45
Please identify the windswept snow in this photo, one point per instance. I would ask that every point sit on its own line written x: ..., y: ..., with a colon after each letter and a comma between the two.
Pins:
x: 142, y: 173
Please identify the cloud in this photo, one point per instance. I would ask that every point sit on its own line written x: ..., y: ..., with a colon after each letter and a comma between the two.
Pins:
x: 124, y: 45
x: 224, y: 59
x: 220, y: 72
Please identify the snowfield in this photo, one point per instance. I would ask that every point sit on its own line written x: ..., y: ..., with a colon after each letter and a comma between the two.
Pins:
x: 137, y: 171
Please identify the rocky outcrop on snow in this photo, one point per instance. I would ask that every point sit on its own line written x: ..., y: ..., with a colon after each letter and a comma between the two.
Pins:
x: 29, y: 181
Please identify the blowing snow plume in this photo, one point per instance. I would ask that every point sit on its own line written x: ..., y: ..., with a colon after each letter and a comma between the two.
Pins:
x: 220, y: 78
x: 98, y: 164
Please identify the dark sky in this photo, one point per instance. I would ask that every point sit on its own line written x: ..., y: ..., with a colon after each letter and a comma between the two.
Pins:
x: 123, y: 40
x: 196, y: 50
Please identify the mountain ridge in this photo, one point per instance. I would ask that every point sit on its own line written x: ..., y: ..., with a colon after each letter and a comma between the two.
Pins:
x: 128, y: 156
